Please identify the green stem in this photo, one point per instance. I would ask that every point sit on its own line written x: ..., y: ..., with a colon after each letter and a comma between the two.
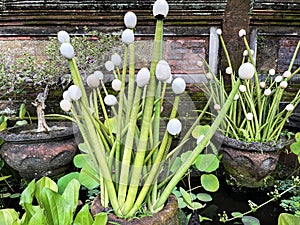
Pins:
x: 147, y: 116
x: 191, y: 159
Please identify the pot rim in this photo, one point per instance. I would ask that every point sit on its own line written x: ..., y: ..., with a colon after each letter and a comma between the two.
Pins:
x: 251, y: 146
x: 13, y: 135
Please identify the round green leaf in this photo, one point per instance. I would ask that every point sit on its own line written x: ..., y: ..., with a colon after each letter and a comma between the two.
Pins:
x: 210, y: 182
x: 250, y: 220
x: 185, y: 155
x: 295, y: 148
x: 200, y: 130
x: 204, y: 197
x: 207, y: 163
x: 237, y: 215
x: 297, y: 136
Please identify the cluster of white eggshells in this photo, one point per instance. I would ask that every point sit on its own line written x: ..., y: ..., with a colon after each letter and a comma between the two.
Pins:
x: 162, y: 72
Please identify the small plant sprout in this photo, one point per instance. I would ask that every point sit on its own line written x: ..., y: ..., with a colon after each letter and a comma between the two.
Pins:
x: 99, y: 74
x: 287, y: 74
x: 217, y: 107
x: 130, y: 20
x: 163, y: 70
x: 174, y: 127
x: 128, y: 36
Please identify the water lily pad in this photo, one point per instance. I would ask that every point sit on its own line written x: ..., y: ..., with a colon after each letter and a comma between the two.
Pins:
x: 200, y: 130
x: 207, y: 163
x: 210, y: 182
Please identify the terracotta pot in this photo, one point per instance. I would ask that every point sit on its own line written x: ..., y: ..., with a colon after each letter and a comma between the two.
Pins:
x: 35, y: 155
x: 167, y: 216
x: 249, y: 164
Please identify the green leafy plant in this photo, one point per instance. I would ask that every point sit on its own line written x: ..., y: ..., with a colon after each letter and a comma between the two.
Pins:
x: 288, y: 219
x: 55, y: 206
x: 295, y: 146
x: 256, y: 114
x: 126, y: 147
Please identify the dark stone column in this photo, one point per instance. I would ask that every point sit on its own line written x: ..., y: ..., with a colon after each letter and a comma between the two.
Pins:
x: 236, y: 17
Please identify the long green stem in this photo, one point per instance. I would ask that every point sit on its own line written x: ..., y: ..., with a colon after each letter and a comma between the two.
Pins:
x: 191, y: 159
x: 147, y: 116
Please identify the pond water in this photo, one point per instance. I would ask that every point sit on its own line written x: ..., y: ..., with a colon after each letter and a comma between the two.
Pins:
x: 231, y: 200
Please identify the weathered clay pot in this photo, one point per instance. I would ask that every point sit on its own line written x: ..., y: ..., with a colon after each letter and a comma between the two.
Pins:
x: 35, y: 155
x: 249, y: 164
x: 167, y: 216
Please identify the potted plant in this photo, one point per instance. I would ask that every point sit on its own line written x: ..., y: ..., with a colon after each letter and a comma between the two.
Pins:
x: 36, y: 150
x: 127, y: 150
x: 251, y: 133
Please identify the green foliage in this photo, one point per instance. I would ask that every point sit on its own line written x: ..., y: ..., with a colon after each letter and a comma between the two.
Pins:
x: 295, y: 147
x: 288, y: 219
x: 22, y: 70
x: 3, y: 124
x: 53, y: 208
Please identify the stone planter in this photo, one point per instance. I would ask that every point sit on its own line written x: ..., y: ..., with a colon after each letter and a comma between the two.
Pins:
x: 167, y: 216
x: 249, y: 164
x: 35, y: 155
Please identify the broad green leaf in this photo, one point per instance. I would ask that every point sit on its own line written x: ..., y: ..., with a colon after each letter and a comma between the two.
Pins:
x: 100, y: 219
x: 250, y: 220
x: 8, y: 217
x: 80, y: 160
x: 32, y: 211
x: 22, y: 111
x: 185, y: 155
x: 4, y: 177
x: 207, y: 163
x: 3, y: 122
x: 210, y: 182
x: 295, y: 148
x: 21, y: 123
x: 57, y: 210
x: 38, y: 218
x: 71, y: 194
x: 288, y: 219
x: 88, y: 177
x: 297, y: 136
x: 28, y: 194
x: 84, y: 216
x: 41, y: 184
x: 65, y: 180
x: 177, y: 163
x: 186, y: 196
x: 237, y: 214
x: 204, y: 197
x: 83, y: 148
x: 112, y: 123
x: 195, y: 206
x: 181, y: 203
x: 200, y: 130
